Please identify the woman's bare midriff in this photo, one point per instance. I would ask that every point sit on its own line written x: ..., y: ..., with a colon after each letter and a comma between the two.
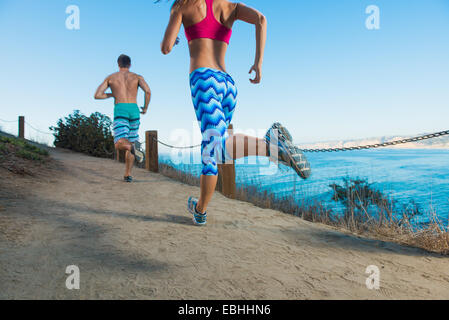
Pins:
x: 207, y: 53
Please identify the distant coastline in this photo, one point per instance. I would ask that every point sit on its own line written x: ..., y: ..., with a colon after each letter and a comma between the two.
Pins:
x: 436, y: 143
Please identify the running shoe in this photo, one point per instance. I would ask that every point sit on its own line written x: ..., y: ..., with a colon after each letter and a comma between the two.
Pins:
x: 128, y: 179
x: 284, y: 134
x: 198, y: 218
x: 288, y: 154
x: 137, y: 153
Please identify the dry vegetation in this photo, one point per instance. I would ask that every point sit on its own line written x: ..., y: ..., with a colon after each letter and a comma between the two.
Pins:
x: 367, y: 212
x: 21, y: 157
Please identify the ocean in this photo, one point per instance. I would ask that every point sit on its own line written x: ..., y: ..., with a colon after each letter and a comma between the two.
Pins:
x: 403, y: 175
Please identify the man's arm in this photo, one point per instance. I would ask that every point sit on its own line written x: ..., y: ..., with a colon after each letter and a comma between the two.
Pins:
x: 146, y: 88
x: 101, y: 91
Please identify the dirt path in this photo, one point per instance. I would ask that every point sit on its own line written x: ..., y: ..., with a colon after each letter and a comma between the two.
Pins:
x: 136, y: 241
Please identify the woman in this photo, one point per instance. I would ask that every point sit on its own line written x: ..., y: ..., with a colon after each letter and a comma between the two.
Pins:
x: 208, y: 27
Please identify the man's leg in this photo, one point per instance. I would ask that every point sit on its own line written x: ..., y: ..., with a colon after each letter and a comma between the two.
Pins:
x: 125, y: 145
x: 129, y: 162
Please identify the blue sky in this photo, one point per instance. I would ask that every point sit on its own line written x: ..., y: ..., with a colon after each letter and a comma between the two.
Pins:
x: 326, y: 76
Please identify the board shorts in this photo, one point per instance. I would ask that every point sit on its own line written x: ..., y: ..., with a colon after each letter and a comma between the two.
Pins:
x: 126, y: 122
x: 214, y: 97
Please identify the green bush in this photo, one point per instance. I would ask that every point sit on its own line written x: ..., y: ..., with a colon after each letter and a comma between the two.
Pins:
x: 90, y: 135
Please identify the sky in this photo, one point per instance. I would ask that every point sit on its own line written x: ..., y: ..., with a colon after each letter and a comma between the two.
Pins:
x: 326, y: 76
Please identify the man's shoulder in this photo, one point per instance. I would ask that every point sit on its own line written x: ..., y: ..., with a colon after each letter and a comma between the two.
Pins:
x: 113, y: 75
x: 136, y: 75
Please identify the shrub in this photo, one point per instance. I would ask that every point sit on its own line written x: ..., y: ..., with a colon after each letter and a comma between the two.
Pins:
x: 364, y: 204
x: 90, y: 135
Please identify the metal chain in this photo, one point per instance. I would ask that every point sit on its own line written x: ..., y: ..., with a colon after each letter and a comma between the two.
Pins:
x: 381, y: 145
x: 173, y: 147
x: 372, y: 146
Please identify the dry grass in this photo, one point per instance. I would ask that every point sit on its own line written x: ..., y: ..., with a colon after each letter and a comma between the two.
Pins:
x: 367, y: 212
x: 20, y: 157
x: 178, y: 175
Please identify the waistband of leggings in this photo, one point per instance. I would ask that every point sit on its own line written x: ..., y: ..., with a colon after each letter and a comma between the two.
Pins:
x: 202, y: 70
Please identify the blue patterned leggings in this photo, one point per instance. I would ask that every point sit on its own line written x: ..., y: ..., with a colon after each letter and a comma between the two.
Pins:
x: 214, y: 96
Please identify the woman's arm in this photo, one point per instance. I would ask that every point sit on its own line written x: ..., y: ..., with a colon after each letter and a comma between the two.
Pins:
x: 171, y: 34
x: 256, y: 18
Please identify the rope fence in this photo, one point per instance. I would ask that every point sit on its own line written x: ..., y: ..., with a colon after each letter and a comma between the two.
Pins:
x: 8, y: 121
x: 173, y: 147
x: 29, y: 125
x: 365, y: 147
x: 318, y: 150
x: 37, y: 130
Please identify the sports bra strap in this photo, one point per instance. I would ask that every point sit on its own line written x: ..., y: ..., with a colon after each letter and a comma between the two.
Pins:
x: 210, y: 8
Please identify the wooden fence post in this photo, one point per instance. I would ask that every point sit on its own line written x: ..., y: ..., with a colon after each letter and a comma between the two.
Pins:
x: 227, y: 174
x: 22, y: 127
x: 152, y: 153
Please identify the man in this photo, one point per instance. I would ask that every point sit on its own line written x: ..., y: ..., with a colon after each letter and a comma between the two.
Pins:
x: 124, y: 86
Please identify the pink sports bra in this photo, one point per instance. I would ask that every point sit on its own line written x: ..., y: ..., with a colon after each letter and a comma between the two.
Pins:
x: 209, y: 28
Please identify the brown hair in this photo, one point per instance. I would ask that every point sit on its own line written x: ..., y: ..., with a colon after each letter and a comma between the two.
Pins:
x: 124, y: 61
x: 180, y: 3
x: 177, y: 3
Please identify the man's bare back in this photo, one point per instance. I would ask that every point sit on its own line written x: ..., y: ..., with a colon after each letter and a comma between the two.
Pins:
x: 124, y: 86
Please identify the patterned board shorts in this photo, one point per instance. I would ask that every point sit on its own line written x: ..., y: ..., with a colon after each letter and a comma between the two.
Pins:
x: 126, y: 122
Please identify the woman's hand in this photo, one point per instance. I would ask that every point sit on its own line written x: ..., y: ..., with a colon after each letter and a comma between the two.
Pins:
x: 258, y: 70
x: 256, y: 18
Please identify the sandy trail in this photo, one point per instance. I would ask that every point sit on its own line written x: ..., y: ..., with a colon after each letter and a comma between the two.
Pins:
x: 136, y: 241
